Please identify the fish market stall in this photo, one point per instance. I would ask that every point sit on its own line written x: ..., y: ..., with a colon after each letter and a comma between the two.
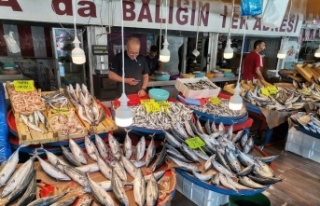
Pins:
x: 96, y: 176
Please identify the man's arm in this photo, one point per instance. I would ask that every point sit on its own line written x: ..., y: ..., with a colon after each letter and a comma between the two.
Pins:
x: 145, y: 80
x: 259, y: 74
x: 114, y: 76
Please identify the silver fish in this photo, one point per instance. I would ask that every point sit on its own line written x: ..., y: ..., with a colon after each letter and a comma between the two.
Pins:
x: 160, y: 160
x: 91, y: 148
x: 221, y: 127
x: 236, y: 184
x: 140, y: 148
x: 189, y: 129
x: 208, y: 164
x: 246, y: 171
x: 47, y: 200
x: 221, y: 168
x: 82, y: 115
x: 183, y: 165
x: 114, y: 146
x: 36, y: 118
x: 244, y: 139
x: 105, y: 169
x: 263, y: 180
x: 198, y: 125
x: 93, y: 167
x: 269, y: 158
x: 102, y: 147
x: 188, y: 153
x: 202, y: 177
x: 215, y: 179
x: 99, y: 193
x: 117, y: 167
x: 171, y: 139
x: 138, y: 164
x: 152, y: 191
x: 17, y: 177
x: 89, y: 113
x: 127, y: 145
x: 176, y: 154
x: 139, y: 189
x: 230, y: 132
x: 201, y: 155
x: 52, y: 170
x: 261, y: 169
x: 207, y: 126
x: 233, y: 161
x: 224, y: 181
x: 69, y: 156
x: 29, y: 124
x: 77, y: 151
x: 213, y: 127
x: 151, y: 151
x: 67, y: 202
x: 238, y: 136
x: 245, y: 159
x: 158, y: 175
x: 53, y: 159
x: 30, y: 193
x: 76, y: 175
x: 130, y: 168
x: 248, y: 146
x: 249, y: 183
x: 118, y: 189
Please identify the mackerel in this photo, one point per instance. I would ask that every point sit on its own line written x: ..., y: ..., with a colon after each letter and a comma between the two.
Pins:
x: 152, y: 191
x: 127, y: 145
x: 222, y: 160
x: 176, y: 134
x: 158, y: 175
x: 171, y: 139
x: 230, y: 132
x: 208, y: 164
x: 246, y: 171
x: 215, y: 179
x: 188, y: 153
x: 244, y: 139
x: 53, y: 159
x: 177, y: 155
x: 47, y: 200
x: 114, y: 146
x: 91, y: 148
x: 201, y: 155
x: 263, y: 180
x: 208, y: 127
x: 102, y: 147
x: 224, y: 181
x: 52, y: 170
x: 160, y: 160
x: 118, y: 189
x: 17, y: 192
x: 130, y: 168
x: 238, y: 136
x: 9, y: 167
x: 139, y: 188
x: 198, y: 125
x: 179, y: 127
x: 183, y: 165
x: 99, y: 193
x: 77, y: 151
x: 202, y: 177
x: 140, y: 148
x: 105, y: 169
x: 194, y: 128
x: 151, y: 151
x: 221, y: 168
x: 188, y: 129
x: 233, y: 161
x: 262, y: 170
x: 76, y: 175
x: 93, y: 167
x: 69, y: 156
x: 118, y: 168
x: 245, y: 159
x: 249, y: 183
x: 17, y: 177
x: 30, y: 193
x: 68, y: 202
x: 236, y: 184
x: 248, y: 146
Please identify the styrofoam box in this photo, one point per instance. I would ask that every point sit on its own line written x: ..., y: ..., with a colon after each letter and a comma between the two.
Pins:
x: 303, y: 145
x: 199, y: 195
x: 196, y: 94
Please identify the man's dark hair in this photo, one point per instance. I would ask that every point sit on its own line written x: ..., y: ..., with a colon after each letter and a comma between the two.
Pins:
x: 153, y: 48
x: 257, y: 43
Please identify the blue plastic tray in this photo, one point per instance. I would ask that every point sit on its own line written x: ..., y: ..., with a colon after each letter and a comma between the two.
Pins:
x: 217, y: 189
x: 142, y: 130
x: 252, y: 108
x: 225, y: 120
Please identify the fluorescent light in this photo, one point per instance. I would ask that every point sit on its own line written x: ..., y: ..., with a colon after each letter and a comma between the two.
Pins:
x: 165, y: 53
x: 317, y: 53
x: 228, y: 51
x: 124, y: 116
x: 236, y: 102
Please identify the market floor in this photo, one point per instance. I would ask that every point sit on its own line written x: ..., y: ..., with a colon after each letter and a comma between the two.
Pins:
x: 300, y: 187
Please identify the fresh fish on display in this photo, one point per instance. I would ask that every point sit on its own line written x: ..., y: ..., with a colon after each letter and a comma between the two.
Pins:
x: 76, y: 175
x: 152, y: 191
x: 118, y: 189
x: 30, y: 193
x: 55, y: 100
x: 158, y: 175
x: 27, y: 122
x: 101, y: 146
x: 138, y: 164
x: 189, y: 129
x: 91, y: 148
x: 93, y: 167
x: 117, y: 167
x: 265, y: 181
x: 208, y: 164
x: 140, y: 148
x: 47, y: 200
x: 248, y: 145
x: 84, y: 201
x: 246, y: 171
x: 215, y: 179
x: 238, y: 136
x: 224, y: 181
x: 68, y: 202
x: 184, y: 165
x: 263, y: 170
x: 139, y: 188
x: 52, y: 170
x: 221, y: 169
x: 236, y: 184
x: 114, y: 146
x: 160, y: 160
x: 105, y: 169
x: 188, y: 153
x: 249, y: 183
x: 233, y: 161
x: 172, y: 140
x: 269, y: 158
x: 198, y: 125
x: 151, y: 151
x: 69, y: 156
x: 201, y: 154
x: 77, y: 151
x: 207, y: 126
x: 130, y: 168
x: 202, y: 176
x: 200, y: 85
x: 176, y: 154
x: 127, y: 146
x: 99, y: 193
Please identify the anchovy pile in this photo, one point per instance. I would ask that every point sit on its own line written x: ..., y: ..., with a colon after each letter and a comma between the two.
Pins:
x: 221, y: 110
x: 177, y: 112
x: 310, y: 122
x: 226, y: 161
x: 114, y: 163
x: 87, y: 107
x: 200, y: 85
x: 286, y: 99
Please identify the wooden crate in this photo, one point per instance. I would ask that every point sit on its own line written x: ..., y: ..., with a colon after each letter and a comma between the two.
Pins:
x: 69, y: 106
x: 29, y: 136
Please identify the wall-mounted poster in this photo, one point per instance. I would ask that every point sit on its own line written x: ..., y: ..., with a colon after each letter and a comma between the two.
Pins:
x: 292, y: 51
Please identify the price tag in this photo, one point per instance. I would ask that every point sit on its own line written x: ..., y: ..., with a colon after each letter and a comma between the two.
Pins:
x: 146, y: 101
x: 195, y: 142
x: 60, y: 110
x: 264, y: 91
x: 215, y: 100
x: 272, y: 89
x: 23, y: 85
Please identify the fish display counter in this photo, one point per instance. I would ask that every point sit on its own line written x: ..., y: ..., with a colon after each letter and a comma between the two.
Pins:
x: 105, y: 175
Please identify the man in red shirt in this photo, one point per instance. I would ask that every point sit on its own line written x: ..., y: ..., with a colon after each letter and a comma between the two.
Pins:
x: 252, y: 63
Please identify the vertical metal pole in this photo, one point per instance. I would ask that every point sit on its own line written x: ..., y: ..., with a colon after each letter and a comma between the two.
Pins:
x: 184, y: 55
x: 214, y: 37
x: 91, y: 39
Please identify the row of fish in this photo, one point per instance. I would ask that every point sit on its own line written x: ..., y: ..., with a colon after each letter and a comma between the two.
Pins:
x: 310, y: 122
x: 114, y: 163
x: 223, y: 162
x: 34, y: 120
x: 177, y: 112
x: 200, y: 85
x: 288, y: 98
x: 218, y: 110
x: 87, y: 108
x: 56, y: 100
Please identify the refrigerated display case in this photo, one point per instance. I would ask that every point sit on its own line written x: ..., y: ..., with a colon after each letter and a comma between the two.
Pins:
x: 66, y: 71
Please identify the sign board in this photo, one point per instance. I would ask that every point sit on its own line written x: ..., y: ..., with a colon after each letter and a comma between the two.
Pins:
x: 182, y: 15
x: 100, y: 49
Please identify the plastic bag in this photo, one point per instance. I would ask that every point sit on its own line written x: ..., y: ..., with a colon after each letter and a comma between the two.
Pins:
x: 251, y: 7
x: 5, y: 150
x: 274, y: 12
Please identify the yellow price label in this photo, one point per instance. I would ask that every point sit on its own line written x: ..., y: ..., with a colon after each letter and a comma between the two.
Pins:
x: 60, y: 110
x: 265, y: 92
x: 215, y: 100
x: 146, y: 101
x: 164, y: 105
x: 24, y: 85
x: 272, y: 89
x: 152, y: 107
x: 195, y: 142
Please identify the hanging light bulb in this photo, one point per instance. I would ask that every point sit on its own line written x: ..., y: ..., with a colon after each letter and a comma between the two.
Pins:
x: 165, y: 53
x: 317, y: 53
x: 77, y: 54
x: 236, y: 102
x: 282, y: 53
x: 228, y: 51
x: 124, y: 116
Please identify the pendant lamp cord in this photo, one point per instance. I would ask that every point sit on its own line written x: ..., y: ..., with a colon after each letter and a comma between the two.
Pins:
x: 288, y: 19
x: 74, y: 19
x: 231, y: 17
x: 167, y: 19
x: 199, y: 14
x: 160, y: 32
x: 122, y: 42
x: 242, y: 48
